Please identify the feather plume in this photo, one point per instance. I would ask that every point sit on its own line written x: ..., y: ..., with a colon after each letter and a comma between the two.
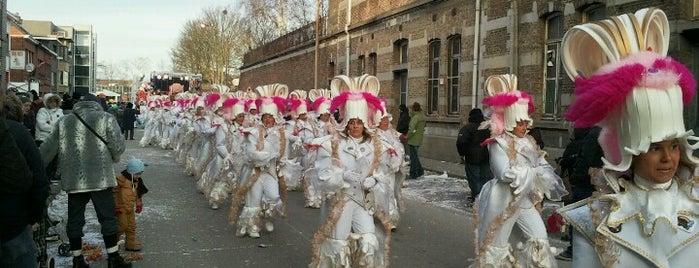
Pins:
x: 211, y: 99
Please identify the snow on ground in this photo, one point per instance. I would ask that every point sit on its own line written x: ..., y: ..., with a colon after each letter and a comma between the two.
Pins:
x: 439, y: 190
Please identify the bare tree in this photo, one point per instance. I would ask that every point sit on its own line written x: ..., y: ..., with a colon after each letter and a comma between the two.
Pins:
x: 212, y: 45
x: 270, y: 19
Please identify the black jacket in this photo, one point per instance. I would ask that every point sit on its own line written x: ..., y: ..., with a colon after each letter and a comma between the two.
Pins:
x: 469, y: 144
x: 128, y: 118
x: 17, y: 211
x: 403, y: 120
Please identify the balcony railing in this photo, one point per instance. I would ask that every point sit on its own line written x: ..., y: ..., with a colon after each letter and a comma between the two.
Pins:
x: 286, y: 42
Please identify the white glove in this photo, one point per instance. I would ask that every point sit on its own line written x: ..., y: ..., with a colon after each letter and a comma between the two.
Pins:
x: 368, y: 183
x: 351, y: 176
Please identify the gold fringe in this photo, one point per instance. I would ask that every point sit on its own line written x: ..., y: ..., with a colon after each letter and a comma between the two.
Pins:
x: 240, y: 195
x: 334, y: 213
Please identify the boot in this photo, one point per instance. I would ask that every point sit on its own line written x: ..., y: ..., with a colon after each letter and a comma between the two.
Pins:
x: 79, y: 262
x: 116, y: 261
x: 132, y: 244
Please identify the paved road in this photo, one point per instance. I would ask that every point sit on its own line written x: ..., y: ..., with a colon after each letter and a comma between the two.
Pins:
x: 178, y: 229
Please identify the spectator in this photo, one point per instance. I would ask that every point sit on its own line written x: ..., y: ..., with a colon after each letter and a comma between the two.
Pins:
x: 22, y: 208
x: 403, y: 120
x: 37, y: 102
x: 127, y: 198
x: 29, y: 119
x: 535, y: 132
x: 47, y: 117
x: 87, y: 158
x: 67, y: 102
x: 128, y: 119
x: 473, y: 154
x: 416, y: 131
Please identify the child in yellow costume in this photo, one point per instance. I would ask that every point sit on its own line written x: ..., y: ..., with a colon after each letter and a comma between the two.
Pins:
x: 127, y: 200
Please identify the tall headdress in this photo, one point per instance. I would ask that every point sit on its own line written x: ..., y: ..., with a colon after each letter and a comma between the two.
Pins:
x: 236, y: 102
x: 321, y: 99
x: 508, y: 104
x: 357, y: 99
x: 272, y: 100
x: 626, y: 84
x: 250, y: 98
x: 298, y: 102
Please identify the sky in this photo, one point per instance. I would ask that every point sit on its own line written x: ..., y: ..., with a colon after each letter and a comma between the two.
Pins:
x: 126, y: 29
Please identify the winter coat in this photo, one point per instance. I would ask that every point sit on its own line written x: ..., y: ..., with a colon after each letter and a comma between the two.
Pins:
x: 86, y: 163
x: 126, y: 192
x: 128, y: 119
x: 17, y: 211
x: 403, y: 120
x: 416, y: 131
x: 469, y: 144
x: 45, y: 121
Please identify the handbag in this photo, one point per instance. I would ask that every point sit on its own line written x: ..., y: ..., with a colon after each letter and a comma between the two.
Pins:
x: 91, y: 129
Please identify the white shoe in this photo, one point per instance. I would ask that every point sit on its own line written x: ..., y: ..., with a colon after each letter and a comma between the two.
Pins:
x: 214, y: 206
x: 242, y: 231
x: 254, y: 235
x: 269, y: 226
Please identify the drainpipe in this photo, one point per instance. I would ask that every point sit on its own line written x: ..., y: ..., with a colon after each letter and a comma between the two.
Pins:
x: 476, y: 53
x: 347, y: 48
x: 515, y: 39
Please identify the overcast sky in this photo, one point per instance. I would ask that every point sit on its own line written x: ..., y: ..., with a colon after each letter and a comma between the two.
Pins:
x: 126, y: 29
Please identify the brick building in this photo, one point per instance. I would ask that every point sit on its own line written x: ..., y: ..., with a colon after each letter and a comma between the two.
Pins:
x: 423, y: 51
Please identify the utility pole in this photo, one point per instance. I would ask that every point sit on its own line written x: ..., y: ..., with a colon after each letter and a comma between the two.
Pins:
x: 315, y: 64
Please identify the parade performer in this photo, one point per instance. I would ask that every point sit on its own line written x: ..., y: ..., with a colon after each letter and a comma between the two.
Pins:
x: 389, y: 135
x: 152, y: 122
x: 207, y: 142
x: 645, y: 210
x: 230, y: 144
x: 522, y: 178
x: 325, y: 125
x: 199, y: 124
x: 261, y: 187
x: 350, y: 168
x: 167, y: 122
x: 303, y: 131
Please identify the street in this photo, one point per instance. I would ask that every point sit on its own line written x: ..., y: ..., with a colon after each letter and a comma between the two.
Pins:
x: 178, y: 229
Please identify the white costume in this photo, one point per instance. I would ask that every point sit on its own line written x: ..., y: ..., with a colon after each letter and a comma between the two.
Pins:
x: 350, y: 171
x: 522, y: 178
x: 391, y: 136
x: 261, y: 185
x: 631, y: 221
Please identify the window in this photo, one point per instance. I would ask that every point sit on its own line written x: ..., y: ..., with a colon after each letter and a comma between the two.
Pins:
x: 361, y: 68
x: 372, y: 63
x: 595, y: 13
x: 433, y: 79
x: 401, y: 51
x: 403, y: 83
x: 453, y: 73
x: 553, y: 70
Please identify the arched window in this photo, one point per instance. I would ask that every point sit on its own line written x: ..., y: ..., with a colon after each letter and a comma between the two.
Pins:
x: 372, y: 63
x: 453, y: 74
x: 433, y: 79
x: 595, y: 12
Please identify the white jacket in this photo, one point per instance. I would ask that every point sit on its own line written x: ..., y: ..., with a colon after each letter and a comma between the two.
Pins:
x: 46, y: 119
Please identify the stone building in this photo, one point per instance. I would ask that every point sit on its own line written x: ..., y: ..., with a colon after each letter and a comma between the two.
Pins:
x: 423, y: 51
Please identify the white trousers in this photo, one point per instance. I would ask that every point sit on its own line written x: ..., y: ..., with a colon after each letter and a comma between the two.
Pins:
x: 265, y: 189
x: 528, y: 220
x: 354, y: 219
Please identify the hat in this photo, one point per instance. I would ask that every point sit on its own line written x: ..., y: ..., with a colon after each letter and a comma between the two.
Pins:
x: 90, y: 97
x: 357, y: 99
x: 272, y: 99
x: 236, y: 105
x: 298, y: 102
x: 626, y: 84
x: 384, y: 114
x: 321, y: 99
x: 508, y: 104
x: 135, y: 165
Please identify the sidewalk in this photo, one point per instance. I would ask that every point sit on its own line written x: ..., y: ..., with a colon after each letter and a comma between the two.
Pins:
x: 455, y: 170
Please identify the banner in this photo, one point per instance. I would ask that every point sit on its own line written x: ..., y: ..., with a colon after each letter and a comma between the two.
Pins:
x: 17, y: 59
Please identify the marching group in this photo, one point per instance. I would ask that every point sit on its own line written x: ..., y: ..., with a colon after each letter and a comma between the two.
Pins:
x: 240, y: 147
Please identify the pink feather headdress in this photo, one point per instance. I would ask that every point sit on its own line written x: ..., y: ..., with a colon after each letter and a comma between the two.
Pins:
x: 211, y: 99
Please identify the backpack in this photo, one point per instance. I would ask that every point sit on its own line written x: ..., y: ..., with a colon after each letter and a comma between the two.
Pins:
x: 15, y: 175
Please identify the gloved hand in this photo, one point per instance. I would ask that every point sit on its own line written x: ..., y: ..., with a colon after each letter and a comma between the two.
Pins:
x: 351, y: 176
x: 139, y: 208
x: 368, y: 183
x: 117, y: 211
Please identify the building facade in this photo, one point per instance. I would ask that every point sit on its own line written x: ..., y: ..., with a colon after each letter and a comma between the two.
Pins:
x: 32, y: 64
x: 440, y: 52
x: 57, y: 40
x: 85, y: 61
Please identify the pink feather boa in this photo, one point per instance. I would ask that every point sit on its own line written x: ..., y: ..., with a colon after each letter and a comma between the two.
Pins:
x: 606, y: 91
x: 295, y: 103
x: 211, y: 99
x: 374, y: 103
x: 279, y: 101
x: 318, y: 102
x: 230, y: 102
